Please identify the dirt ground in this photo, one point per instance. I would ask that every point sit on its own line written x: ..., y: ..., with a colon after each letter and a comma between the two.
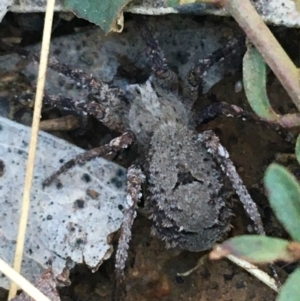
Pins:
x: 152, y: 269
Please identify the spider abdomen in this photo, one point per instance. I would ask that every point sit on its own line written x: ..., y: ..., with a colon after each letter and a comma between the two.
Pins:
x: 189, y: 203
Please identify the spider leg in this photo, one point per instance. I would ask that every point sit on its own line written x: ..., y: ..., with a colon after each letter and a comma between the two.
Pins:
x: 214, y: 147
x: 109, y: 115
x: 82, y: 107
x: 82, y: 79
x: 115, y: 145
x: 164, y: 75
x: 135, y: 178
x: 108, y: 104
x: 199, y: 71
x: 217, y: 109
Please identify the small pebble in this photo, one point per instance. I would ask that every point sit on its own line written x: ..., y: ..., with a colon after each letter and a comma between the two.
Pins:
x: 238, y: 87
x: 241, y: 169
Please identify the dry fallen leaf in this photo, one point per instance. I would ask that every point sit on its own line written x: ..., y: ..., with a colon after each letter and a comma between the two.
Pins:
x: 67, y: 225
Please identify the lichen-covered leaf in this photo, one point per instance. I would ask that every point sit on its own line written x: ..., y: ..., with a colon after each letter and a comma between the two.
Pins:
x: 290, y: 290
x: 4, y: 6
x: 254, y: 79
x: 284, y: 195
x: 254, y: 248
x: 70, y: 221
x: 108, y: 14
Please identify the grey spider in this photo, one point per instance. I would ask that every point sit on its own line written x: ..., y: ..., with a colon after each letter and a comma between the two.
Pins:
x: 189, y: 175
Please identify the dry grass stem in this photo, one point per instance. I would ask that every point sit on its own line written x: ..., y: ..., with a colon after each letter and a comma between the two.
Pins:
x: 33, y: 143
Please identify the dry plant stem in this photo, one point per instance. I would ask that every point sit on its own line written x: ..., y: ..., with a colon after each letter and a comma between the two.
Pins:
x: 199, y: 265
x: 33, y: 143
x: 255, y: 271
x: 289, y: 120
x: 260, y: 35
x: 249, y: 267
x: 22, y: 282
x: 64, y: 123
x: 46, y: 284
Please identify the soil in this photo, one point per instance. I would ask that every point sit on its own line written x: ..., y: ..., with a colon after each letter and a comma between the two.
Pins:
x: 151, y: 272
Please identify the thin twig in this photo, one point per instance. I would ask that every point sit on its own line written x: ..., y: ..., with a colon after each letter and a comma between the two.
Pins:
x: 255, y: 271
x: 24, y: 284
x: 33, y: 143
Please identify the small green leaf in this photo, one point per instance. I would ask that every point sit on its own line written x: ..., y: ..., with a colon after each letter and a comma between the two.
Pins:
x: 284, y: 195
x: 254, y: 79
x: 174, y: 3
x: 108, y: 14
x: 255, y: 248
x: 297, y: 149
x: 290, y: 290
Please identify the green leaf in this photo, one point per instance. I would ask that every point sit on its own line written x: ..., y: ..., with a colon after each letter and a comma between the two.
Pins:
x: 175, y: 3
x: 297, y: 149
x: 108, y: 14
x: 255, y: 248
x: 284, y: 195
x: 254, y: 80
x: 290, y: 290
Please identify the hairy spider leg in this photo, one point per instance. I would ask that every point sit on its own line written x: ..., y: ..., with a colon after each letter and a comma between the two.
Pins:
x: 135, y: 178
x: 221, y: 155
x: 199, y: 71
x: 106, y: 103
x: 114, y: 146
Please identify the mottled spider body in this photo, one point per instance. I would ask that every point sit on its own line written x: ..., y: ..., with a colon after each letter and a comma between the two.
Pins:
x: 187, y: 173
x: 187, y: 196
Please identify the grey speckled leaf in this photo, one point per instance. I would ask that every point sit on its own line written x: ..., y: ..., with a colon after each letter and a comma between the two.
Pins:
x: 272, y: 11
x: 4, y: 5
x: 120, y: 59
x: 71, y: 220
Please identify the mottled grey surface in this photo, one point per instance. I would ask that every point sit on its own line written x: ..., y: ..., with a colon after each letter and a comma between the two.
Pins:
x: 279, y: 12
x: 70, y: 221
x: 120, y: 58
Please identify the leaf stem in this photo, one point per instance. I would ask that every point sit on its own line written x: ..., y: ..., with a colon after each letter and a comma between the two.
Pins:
x: 273, y: 54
